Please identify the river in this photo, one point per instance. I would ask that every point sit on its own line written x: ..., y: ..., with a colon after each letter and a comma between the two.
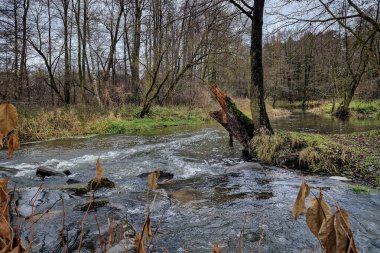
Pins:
x: 205, y: 203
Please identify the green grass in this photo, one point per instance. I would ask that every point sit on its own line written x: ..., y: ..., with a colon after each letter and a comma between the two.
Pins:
x: 361, y: 189
x: 360, y: 108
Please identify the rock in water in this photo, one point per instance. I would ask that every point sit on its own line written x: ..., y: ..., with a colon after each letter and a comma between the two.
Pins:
x: 341, y: 178
x: 245, y: 166
x: 103, y: 182
x: 72, y: 181
x: 93, y: 205
x: 44, y: 171
x: 163, y: 175
x: 77, y: 188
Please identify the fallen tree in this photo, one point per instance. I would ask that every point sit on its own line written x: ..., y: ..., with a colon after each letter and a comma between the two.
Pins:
x: 232, y: 119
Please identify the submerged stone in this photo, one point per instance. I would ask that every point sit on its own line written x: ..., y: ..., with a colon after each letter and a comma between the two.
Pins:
x: 77, y: 188
x: 163, y: 175
x: 340, y: 178
x: 245, y: 166
x: 103, y: 182
x: 72, y: 181
x: 96, y: 203
x: 44, y: 171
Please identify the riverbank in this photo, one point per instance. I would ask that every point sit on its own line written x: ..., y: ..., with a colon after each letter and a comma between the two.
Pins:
x: 355, y: 155
x: 37, y: 124
x: 338, y: 154
x: 358, y: 108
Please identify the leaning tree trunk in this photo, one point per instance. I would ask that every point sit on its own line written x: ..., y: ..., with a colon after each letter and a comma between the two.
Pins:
x: 232, y: 119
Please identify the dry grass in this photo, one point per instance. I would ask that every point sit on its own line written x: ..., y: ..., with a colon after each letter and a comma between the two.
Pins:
x: 45, y: 123
x: 273, y: 113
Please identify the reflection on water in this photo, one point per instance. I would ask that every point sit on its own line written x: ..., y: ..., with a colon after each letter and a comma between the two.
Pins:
x: 309, y: 122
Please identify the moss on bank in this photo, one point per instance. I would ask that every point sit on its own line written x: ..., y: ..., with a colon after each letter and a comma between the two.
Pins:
x: 343, y: 155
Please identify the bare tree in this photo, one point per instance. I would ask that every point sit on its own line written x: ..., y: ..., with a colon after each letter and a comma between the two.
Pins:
x: 257, y: 93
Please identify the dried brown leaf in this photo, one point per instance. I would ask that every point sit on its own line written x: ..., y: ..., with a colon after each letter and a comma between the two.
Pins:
x: 152, y: 179
x: 299, y: 205
x: 1, y: 140
x: 5, y: 230
x: 215, y: 248
x: 99, y: 170
x: 8, y: 118
x: 13, y: 145
x: 147, y: 229
x: 343, y: 232
x: 139, y: 244
x: 317, y: 212
x: 327, y: 236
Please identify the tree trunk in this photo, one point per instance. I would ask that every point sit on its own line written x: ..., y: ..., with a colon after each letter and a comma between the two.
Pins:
x: 92, y: 58
x: 259, y: 114
x: 24, y: 75
x: 66, y: 86
x: 343, y: 111
x: 135, y: 69
x: 84, y: 51
x: 232, y: 119
x: 18, y: 84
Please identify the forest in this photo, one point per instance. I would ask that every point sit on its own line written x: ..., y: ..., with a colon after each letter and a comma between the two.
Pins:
x: 189, y: 126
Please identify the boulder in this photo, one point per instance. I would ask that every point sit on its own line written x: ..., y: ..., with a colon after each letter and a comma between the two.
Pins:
x: 72, y: 181
x: 345, y: 179
x: 245, y: 166
x: 78, y: 189
x: 163, y: 175
x: 44, y: 171
x: 96, y: 203
x: 103, y: 182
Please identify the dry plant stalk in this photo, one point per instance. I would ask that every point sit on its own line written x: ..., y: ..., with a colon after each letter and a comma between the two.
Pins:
x: 331, y: 229
x: 215, y: 248
x: 139, y: 244
x: 5, y: 228
x: 99, y: 170
x: 152, y: 179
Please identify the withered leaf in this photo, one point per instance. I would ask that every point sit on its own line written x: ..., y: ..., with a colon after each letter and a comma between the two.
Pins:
x: 8, y: 118
x: 215, y: 248
x: 139, y: 244
x: 299, y: 205
x: 152, y: 179
x: 5, y: 230
x: 99, y: 170
x: 317, y: 212
x: 343, y: 232
x: 147, y: 229
x: 327, y: 236
x: 13, y: 145
x: 1, y: 140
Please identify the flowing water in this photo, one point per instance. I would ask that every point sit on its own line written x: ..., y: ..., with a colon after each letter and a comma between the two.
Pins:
x: 206, y: 202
